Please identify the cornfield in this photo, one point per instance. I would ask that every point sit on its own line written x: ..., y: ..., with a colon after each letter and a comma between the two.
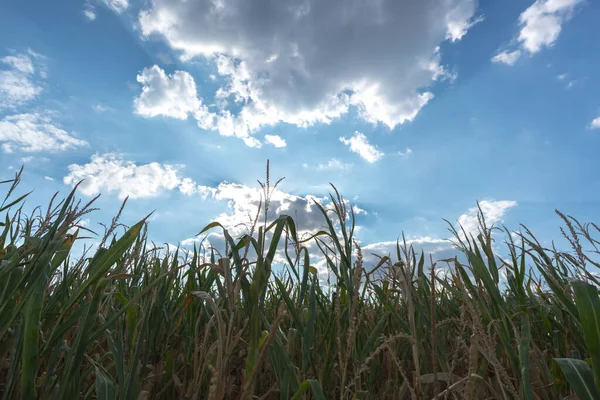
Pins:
x: 132, y: 321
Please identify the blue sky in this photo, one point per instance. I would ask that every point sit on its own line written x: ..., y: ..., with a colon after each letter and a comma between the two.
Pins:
x: 414, y: 110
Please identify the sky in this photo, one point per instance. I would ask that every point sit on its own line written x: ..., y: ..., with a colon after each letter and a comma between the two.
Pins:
x: 414, y: 110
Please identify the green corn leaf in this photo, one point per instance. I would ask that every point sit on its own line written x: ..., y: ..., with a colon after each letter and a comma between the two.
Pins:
x: 309, y: 331
x: 579, y: 375
x: 12, y: 203
x: 105, y: 385
x: 375, y: 334
x: 128, y: 389
x: 312, y: 384
x: 524, y: 346
x: 588, y: 304
x: 290, y: 304
x: 100, y: 266
x: 481, y: 271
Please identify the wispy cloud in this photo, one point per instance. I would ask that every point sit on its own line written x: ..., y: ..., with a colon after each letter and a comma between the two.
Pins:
x: 405, y: 153
x: 101, y: 108
x: 334, y: 164
x: 89, y: 11
x: 117, y: 6
x: 507, y: 57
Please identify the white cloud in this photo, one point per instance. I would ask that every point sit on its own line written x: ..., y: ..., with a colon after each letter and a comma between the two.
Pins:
x: 35, y: 132
x: 89, y: 14
x: 405, y: 153
x: 243, y: 204
x: 460, y: 21
x: 275, y: 140
x: 569, y: 83
x: 507, y: 57
x: 117, y: 6
x: 540, y: 26
x: 89, y: 11
x: 110, y: 173
x: 493, y: 211
x: 17, y: 83
x: 595, y: 124
x: 20, y: 62
x: 437, y: 248
x: 308, y: 62
x: 49, y: 178
x: 440, y: 249
x: 334, y: 164
x: 172, y: 95
x: 243, y: 207
x: 360, y: 145
x: 102, y: 108
x: 252, y: 142
x: 542, y: 22
x: 244, y: 201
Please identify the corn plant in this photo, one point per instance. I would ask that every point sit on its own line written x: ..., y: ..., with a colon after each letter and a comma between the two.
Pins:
x: 129, y: 320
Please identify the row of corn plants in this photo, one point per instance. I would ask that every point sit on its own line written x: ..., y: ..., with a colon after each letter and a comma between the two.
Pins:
x: 129, y: 320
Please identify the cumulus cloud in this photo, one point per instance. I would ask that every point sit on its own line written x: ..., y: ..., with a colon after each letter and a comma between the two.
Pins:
x: 176, y: 96
x: 540, y: 26
x: 542, y: 22
x: 18, y: 83
x: 275, y: 140
x: 359, y: 144
x: 110, y: 173
x: 439, y: 249
x: 244, y: 202
x: 172, y: 95
x: 308, y: 62
x: 492, y: 211
x: 35, y: 132
x: 595, y: 124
